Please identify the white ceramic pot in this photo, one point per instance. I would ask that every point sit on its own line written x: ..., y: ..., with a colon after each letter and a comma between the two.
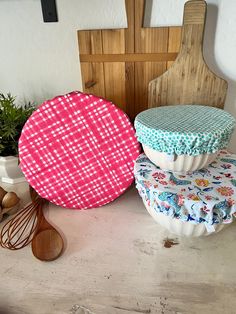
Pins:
x: 10, y: 171
x: 182, y: 228
x: 180, y: 163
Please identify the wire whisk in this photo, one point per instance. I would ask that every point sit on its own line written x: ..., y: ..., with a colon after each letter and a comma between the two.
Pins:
x: 19, y: 231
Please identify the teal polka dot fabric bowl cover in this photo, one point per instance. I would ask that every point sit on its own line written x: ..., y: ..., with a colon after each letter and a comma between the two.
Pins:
x: 185, y: 129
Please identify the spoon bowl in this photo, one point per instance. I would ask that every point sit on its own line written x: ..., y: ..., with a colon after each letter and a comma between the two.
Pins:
x: 47, y: 244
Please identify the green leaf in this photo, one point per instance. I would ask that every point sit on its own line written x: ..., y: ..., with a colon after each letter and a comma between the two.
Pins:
x: 12, y: 120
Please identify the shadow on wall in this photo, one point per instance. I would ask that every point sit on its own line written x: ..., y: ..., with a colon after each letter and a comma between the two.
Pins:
x: 210, y: 57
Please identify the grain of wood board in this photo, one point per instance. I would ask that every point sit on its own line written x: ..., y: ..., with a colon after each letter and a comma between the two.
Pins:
x: 114, y: 73
x: 189, y: 80
x: 173, y: 42
x: 92, y: 72
x: 118, y: 64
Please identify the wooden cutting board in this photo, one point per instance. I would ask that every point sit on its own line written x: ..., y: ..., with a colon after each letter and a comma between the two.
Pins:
x: 119, y: 63
x: 189, y: 80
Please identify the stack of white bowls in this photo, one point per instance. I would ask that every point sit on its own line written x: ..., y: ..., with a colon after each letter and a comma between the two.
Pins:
x: 180, y: 141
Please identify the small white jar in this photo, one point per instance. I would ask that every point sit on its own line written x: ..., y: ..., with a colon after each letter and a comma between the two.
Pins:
x: 10, y: 171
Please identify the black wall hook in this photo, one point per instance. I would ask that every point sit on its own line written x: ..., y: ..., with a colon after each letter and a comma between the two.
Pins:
x: 49, y: 9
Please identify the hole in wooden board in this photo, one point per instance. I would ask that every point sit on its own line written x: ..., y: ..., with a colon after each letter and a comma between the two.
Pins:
x: 163, y: 13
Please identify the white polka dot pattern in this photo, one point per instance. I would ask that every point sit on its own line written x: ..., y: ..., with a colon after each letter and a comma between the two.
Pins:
x: 78, y: 151
x: 185, y: 129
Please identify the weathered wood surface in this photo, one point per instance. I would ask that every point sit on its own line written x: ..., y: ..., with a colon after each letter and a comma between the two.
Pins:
x: 115, y: 263
x: 189, y: 80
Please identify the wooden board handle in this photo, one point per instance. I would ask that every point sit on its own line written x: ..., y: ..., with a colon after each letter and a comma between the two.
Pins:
x: 194, y: 12
x: 193, y: 28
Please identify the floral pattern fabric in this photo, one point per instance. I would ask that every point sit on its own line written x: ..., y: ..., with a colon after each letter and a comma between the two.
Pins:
x: 188, y: 129
x: 203, y: 196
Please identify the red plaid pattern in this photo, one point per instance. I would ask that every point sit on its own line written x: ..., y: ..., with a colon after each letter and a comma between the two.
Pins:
x: 78, y: 151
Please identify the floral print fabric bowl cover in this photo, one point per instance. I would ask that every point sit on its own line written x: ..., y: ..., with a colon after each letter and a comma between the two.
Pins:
x: 186, y: 129
x: 78, y: 151
x: 204, y: 196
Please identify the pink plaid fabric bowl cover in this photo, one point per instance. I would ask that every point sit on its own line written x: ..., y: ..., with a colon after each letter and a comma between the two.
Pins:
x: 78, y: 151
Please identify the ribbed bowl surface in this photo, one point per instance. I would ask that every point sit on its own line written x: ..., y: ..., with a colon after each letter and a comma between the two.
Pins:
x: 182, y: 228
x: 182, y: 163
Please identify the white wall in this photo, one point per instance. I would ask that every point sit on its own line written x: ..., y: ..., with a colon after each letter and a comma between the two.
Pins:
x: 40, y: 60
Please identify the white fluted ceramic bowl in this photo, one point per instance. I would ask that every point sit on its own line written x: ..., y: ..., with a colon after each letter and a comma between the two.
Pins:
x: 181, y: 163
x: 182, y: 228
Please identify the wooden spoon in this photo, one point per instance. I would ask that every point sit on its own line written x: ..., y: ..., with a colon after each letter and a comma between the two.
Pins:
x: 47, y: 244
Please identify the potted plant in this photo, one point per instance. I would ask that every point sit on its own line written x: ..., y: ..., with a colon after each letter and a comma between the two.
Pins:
x: 12, y: 120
